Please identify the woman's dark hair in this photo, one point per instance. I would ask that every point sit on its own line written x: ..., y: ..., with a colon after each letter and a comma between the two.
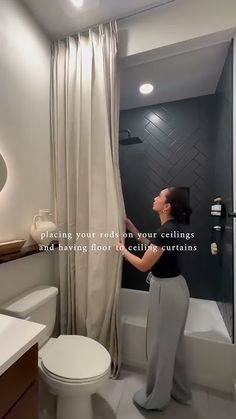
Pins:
x: 179, y: 200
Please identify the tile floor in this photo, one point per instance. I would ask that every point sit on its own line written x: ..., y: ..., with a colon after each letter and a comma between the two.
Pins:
x: 114, y: 401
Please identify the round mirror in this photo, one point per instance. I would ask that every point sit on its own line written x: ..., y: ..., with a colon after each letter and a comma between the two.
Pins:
x: 3, y: 172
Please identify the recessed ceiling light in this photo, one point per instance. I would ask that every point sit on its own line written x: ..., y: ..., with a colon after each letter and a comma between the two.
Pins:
x: 146, y: 88
x: 77, y: 3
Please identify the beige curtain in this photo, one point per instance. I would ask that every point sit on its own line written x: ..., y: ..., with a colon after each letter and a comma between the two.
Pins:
x: 88, y: 201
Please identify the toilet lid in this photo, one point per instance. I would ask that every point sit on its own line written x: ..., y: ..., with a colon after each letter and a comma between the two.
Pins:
x: 76, y: 357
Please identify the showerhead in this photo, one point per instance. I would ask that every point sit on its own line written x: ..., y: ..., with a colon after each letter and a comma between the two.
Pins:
x: 129, y: 140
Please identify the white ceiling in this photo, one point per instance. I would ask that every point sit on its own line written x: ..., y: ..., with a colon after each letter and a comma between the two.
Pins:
x: 60, y: 18
x: 181, y: 76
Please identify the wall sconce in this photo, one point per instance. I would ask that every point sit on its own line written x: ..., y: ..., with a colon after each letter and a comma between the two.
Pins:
x: 3, y: 172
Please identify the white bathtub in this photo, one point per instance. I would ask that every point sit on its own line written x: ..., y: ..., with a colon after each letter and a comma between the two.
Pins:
x: 209, y: 348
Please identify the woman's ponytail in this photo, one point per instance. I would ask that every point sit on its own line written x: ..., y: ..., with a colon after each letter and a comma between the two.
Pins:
x: 180, y: 209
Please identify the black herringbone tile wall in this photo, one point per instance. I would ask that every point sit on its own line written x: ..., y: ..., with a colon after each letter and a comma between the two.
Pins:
x: 224, y: 186
x: 185, y: 143
x: 178, y: 149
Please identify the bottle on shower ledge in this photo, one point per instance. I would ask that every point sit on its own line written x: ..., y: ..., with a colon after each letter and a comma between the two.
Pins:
x: 216, y: 208
x: 214, y: 249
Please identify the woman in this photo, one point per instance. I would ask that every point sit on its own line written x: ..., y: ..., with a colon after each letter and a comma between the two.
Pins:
x: 168, y: 305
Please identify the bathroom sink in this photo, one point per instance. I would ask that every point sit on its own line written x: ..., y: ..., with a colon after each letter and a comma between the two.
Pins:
x: 16, y: 337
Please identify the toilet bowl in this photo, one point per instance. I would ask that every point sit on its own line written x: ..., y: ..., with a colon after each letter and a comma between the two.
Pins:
x: 72, y: 367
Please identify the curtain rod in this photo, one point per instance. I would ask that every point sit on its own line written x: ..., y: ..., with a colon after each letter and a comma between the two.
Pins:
x: 118, y: 19
x: 144, y: 10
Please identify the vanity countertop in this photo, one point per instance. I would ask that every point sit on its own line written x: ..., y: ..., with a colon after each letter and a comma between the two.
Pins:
x: 16, y: 337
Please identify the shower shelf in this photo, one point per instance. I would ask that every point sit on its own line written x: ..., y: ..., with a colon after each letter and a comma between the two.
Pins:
x: 23, y: 252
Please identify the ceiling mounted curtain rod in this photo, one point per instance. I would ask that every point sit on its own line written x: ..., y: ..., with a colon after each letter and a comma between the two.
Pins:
x: 118, y: 19
x: 144, y: 10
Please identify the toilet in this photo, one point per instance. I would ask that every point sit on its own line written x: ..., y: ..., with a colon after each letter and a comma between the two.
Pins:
x: 72, y: 367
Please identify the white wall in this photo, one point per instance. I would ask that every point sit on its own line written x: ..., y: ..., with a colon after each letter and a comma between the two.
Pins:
x: 175, y: 23
x: 24, y: 140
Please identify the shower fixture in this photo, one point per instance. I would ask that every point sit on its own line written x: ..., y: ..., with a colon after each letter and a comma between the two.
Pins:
x: 129, y: 140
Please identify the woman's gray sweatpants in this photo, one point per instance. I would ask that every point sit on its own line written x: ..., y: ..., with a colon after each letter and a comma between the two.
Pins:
x: 166, y: 371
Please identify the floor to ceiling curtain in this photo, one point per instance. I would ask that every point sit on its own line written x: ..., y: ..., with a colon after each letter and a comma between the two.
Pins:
x: 88, y: 200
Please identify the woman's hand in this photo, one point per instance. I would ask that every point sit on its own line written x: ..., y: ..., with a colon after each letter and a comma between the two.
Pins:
x: 119, y: 246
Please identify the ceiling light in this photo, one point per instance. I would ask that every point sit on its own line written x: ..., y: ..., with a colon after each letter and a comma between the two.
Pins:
x: 77, y: 3
x: 146, y: 88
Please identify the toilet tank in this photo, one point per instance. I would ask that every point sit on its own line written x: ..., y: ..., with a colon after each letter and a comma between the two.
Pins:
x: 36, y: 305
